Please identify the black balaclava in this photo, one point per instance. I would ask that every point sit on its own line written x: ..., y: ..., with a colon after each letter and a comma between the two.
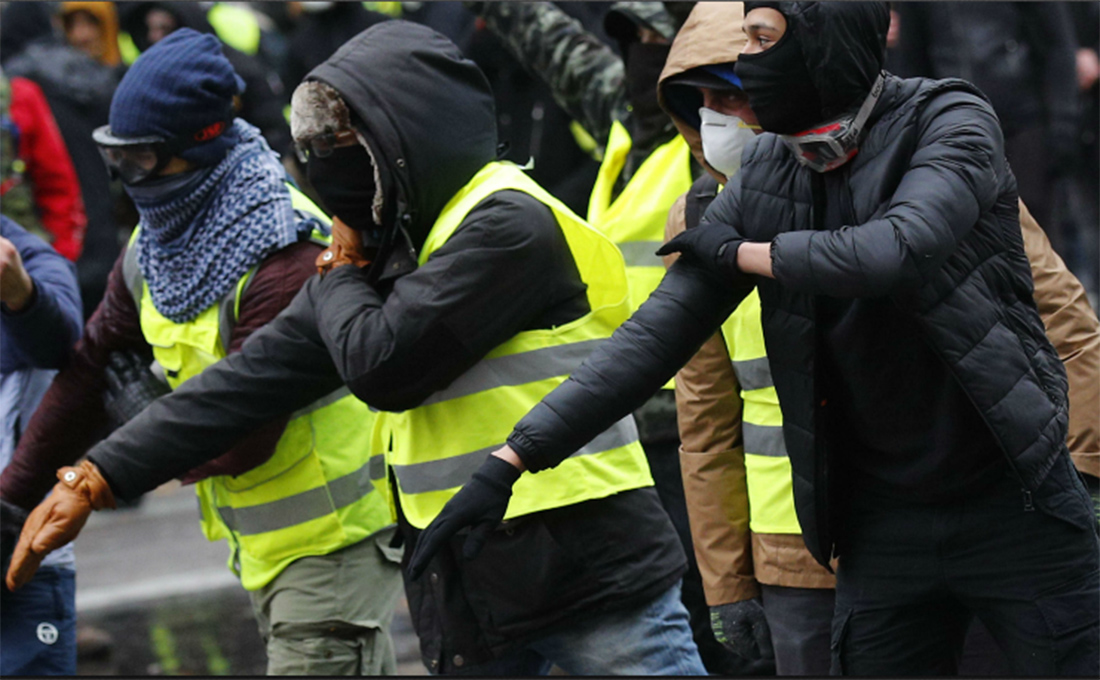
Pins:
x: 344, y: 181
x: 780, y: 89
x: 822, y: 68
x: 643, y: 65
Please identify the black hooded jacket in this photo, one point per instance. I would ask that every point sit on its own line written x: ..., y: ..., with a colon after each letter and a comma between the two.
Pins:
x: 264, y: 96
x: 427, y: 114
x: 935, y: 233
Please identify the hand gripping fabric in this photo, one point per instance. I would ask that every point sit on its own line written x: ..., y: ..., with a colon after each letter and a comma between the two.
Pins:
x: 346, y: 248
x: 713, y: 246
x: 480, y: 504
x: 131, y: 387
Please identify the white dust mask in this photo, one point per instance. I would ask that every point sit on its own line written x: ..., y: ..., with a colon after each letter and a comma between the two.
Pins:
x: 724, y: 138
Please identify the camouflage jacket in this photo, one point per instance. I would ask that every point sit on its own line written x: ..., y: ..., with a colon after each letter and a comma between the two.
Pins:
x: 584, y: 74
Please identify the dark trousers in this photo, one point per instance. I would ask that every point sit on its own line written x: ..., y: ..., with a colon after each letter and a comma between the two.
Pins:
x: 911, y: 577
x: 799, y: 622
x: 38, y: 625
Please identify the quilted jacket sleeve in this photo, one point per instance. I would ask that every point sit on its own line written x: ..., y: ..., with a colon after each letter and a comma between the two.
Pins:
x: 953, y: 177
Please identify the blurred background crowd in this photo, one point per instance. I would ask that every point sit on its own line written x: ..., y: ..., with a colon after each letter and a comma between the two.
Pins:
x: 62, y: 60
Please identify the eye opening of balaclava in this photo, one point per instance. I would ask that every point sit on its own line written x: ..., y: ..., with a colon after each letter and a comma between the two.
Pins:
x: 345, y: 189
x: 820, y: 112
x: 781, y: 90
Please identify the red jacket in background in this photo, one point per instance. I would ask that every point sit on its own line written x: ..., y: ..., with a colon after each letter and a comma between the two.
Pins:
x: 49, y: 168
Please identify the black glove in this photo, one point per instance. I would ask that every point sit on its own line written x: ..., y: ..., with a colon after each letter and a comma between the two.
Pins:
x: 713, y: 245
x: 742, y: 629
x: 131, y: 386
x: 12, y: 518
x: 480, y: 504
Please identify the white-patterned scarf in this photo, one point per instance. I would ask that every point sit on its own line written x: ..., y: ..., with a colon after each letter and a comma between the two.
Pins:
x: 199, y: 239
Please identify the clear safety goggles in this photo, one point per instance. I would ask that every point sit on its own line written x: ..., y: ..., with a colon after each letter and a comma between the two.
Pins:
x: 322, y: 146
x: 833, y: 144
x: 136, y: 159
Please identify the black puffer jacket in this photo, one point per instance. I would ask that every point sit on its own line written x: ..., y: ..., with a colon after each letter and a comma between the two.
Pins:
x: 937, y: 232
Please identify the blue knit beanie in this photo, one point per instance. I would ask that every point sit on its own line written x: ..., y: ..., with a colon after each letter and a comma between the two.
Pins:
x: 181, y: 89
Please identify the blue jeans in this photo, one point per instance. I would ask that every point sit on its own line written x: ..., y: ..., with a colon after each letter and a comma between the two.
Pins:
x: 653, y: 638
x: 38, y: 625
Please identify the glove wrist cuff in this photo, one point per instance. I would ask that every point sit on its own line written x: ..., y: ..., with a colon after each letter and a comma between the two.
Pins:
x: 87, y: 481
x: 498, y: 473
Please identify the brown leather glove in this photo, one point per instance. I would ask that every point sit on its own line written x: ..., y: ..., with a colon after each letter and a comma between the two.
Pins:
x: 58, y: 519
x: 346, y: 248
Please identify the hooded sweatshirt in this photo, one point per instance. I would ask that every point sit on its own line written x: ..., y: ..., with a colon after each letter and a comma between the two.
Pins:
x: 732, y: 560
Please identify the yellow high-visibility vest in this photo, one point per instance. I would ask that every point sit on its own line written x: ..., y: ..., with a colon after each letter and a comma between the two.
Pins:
x: 437, y: 446
x: 636, y: 219
x: 767, y: 467
x: 236, y: 26
x: 321, y: 490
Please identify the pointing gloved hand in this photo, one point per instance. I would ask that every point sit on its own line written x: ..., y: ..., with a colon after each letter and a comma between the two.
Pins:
x: 480, y: 504
x: 12, y: 518
x: 58, y: 519
x: 713, y: 245
x: 742, y: 629
x: 131, y: 387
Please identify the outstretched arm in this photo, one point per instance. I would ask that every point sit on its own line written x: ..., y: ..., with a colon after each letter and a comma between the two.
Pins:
x: 281, y: 368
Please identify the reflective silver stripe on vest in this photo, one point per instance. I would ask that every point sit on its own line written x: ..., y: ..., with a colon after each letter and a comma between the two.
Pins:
x: 437, y: 475
x: 764, y: 440
x: 641, y: 253
x: 131, y: 273
x: 305, y: 506
x: 517, y: 369
x: 753, y: 374
x: 327, y: 400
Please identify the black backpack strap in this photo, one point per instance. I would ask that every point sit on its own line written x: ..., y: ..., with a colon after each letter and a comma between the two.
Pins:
x: 699, y: 197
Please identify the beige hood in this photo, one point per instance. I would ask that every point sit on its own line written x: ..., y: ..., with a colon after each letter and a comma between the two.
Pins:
x: 712, y: 34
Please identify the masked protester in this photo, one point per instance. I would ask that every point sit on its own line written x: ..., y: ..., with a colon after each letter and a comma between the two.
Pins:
x: 737, y: 474
x: 422, y: 312
x: 223, y: 245
x: 645, y: 166
x: 924, y: 408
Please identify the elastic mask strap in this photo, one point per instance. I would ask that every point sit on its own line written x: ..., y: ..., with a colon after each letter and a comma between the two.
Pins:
x: 869, y: 103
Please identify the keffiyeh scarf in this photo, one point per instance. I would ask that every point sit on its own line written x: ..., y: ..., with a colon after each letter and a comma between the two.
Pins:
x: 201, y: 233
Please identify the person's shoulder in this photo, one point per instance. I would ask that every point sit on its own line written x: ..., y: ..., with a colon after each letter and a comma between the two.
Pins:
x: 510, y: 218
x: 294, y: 263
x: 927, y: 97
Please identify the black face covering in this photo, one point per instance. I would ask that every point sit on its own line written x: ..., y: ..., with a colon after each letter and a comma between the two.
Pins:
x: 345, y: 182
x: 644, y: 62
x: 780, y: 89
